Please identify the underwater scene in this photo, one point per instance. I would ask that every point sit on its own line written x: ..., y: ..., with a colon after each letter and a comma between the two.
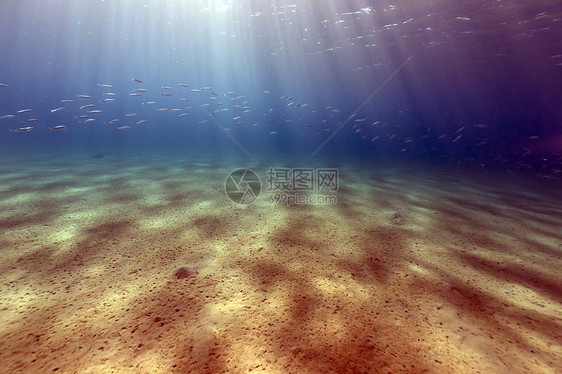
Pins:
x: 281, y: 186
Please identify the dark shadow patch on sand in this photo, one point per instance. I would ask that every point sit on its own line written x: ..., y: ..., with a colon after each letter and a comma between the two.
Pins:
x: 89, y: 250
x: 211, y: 226
x: 517, y: 274
x: 31, y: 263
x: 534, y: 247
x: 357, y: 347
x: 268, y: 275
x: 170, y: 319
x: 123, y: 197
x: 345, y: 206
x: 367, y: 340
x: 45, y: 325
x: 36, y: 213
x: 298, y: 232
x: 380, y: 249
x: 496, y: 319
x: 484, y: 233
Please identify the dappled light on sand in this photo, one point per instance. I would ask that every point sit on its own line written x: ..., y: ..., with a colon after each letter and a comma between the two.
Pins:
x: 148, y: 267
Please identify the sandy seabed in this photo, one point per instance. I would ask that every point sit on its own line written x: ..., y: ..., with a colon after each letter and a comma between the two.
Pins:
x: 412, y: 270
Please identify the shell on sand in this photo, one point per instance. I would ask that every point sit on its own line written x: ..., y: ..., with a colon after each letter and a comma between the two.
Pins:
x: 183, y: 271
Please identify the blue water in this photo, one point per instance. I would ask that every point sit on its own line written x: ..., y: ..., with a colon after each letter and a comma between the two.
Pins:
x: 459, y: 83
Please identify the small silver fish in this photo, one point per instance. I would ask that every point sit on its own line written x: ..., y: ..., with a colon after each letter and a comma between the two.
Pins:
x: 31, y: 120
x: 137, y: 80
x: 60, y: 109
x: 22, y: 129
x: 58, y: 127
x: 84, y: 96
x: 7, y: 116
x: 4, y: 85
x: 24, y: 111
x: 105, y: 85
x: 123, y: 128
x: 66, y: 101
x: 87, y: 106
x: 131, y: 114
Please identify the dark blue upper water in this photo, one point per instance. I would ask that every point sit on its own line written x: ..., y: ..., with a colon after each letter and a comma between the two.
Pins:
x: 465, y: 83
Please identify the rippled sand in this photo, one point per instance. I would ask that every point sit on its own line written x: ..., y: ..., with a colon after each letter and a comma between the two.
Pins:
x: 413, y: 270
